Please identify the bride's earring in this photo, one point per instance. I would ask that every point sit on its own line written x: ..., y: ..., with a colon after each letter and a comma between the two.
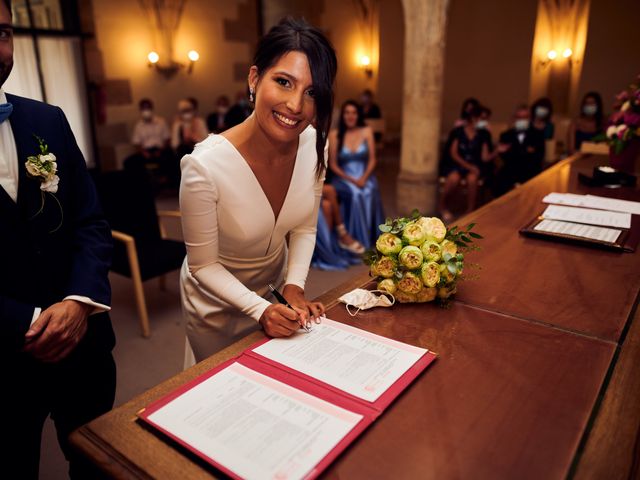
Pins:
x: 251, y: 94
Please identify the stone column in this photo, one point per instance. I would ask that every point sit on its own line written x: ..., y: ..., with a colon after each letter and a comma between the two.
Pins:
x: 425, y: 27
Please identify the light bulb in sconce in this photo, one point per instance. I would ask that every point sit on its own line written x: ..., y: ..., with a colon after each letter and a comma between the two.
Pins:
x: 552, y: 54
x: 567, y: 53
x: 365, y: 63
x: 153, y: 58
x: 193, y: 58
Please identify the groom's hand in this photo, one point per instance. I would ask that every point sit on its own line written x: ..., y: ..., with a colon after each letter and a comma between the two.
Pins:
x: 57, y: 331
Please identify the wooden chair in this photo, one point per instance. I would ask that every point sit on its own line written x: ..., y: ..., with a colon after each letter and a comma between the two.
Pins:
x: 141, y: 250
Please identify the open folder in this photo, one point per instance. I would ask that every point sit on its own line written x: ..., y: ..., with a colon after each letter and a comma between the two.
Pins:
x: 286, y: 408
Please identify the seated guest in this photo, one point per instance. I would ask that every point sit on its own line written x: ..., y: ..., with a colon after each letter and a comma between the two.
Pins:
x: 589, y: 122
x: 522, y: 151
x: 541, y: 112
x: 188, y: 127
x: 187, y: 130
x: 216, y: 120
x: 468, y: 105
x: 151, y: 139
x: 370, y: 109
x: 239, y: 111
x: 352, y: 160
x: 335, y: 249
x: 468, y: 151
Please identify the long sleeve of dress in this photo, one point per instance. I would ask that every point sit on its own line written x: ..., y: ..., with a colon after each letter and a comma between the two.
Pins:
x: 302, y: 241
x: 198, y: 203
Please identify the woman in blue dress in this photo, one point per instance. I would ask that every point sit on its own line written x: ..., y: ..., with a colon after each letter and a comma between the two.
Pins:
x: 352, y: 160
x: 335, y: 249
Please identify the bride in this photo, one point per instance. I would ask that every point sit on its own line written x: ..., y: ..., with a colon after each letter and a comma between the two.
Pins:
x: 245, y: 191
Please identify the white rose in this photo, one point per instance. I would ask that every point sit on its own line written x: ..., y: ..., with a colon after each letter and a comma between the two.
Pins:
x: 621, y: 128
x: 611, y: 131
x: 49, y: 157
x: 625, y: 106
x: 50, y: 185
x: 32, y: 169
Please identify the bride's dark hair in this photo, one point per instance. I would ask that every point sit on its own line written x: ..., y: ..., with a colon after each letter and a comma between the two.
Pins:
x: 296, y: 35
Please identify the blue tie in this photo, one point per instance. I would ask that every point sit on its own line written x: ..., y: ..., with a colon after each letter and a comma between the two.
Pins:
x: 5, y: 111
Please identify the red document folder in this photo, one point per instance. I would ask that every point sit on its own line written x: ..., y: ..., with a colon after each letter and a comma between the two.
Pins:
x: 370, y: 411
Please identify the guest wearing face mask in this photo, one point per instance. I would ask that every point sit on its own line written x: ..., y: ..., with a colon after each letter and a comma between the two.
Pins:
x: 522, y: 151
x: 188, y: 129
x: 151, y: 139
x: 541, y: 112
x: 588, y: 124
x: 469, y: 152
x: 216, y: 120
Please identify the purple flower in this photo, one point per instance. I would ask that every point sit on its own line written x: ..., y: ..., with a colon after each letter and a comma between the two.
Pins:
x: 631, y: 118
x: 622, y: 96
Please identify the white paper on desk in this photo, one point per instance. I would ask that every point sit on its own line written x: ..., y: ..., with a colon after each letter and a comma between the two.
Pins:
x: 353, y: 360
x: 609, y: 235
x: 593, y: 201
x: 588, y: 216
x: 256, y: 426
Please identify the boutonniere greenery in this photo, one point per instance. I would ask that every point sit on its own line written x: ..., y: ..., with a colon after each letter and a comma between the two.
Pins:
x: 43, y: 167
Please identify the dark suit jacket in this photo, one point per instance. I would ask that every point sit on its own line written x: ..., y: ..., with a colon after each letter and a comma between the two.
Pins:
x: 523, y: 160
x: 40, y: 267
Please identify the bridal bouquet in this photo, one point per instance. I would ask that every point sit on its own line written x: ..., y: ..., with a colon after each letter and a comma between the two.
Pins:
x: 417, y: 259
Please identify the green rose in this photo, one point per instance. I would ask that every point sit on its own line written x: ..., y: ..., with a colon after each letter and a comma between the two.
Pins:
x: 387, y: 285
x: 430, y: 274
x: 410, y: 283
x: 410, y: 257
x: 449, y: 247
x: 384, y: 267
x: 431, y: 251
x: 388, y: 244
x: 413, y: 234
x: 433, y: 227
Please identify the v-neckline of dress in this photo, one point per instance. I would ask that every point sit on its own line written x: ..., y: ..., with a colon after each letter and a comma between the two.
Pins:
x: 257, y: 182
x: 357, y: 149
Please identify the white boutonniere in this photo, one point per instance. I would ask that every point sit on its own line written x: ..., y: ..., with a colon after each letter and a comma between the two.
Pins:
x: 44, y: 167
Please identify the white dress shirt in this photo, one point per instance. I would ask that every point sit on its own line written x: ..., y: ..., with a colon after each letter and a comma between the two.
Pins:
x: 9, y: 178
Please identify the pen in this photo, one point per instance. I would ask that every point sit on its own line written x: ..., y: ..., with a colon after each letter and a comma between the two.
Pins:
x: 283, y: 301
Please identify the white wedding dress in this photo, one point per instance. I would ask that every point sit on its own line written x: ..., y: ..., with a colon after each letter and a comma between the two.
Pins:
x: 235, y: 246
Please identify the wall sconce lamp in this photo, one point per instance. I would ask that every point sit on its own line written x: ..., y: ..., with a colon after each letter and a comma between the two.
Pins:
x: 365, y: 64
x: 173, y: 67
x: 553, y: 55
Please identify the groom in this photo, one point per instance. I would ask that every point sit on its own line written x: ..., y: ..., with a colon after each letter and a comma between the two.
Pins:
x: 55, y: 250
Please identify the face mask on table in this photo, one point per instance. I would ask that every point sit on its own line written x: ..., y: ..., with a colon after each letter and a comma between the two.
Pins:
x: 363, y: 299
x: 521, y: 124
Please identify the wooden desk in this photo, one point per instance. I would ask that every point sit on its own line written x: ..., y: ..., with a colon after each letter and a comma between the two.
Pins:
x: 515, y: 389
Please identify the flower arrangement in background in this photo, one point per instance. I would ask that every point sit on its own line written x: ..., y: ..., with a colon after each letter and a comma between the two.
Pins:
x: 624, y: 123
x: 417, y: 259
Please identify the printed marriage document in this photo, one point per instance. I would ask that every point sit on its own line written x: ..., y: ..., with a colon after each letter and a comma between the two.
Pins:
x: 609, y: 235
x: 355, y: 361
x: 255, y: 426
x: 588, y: 216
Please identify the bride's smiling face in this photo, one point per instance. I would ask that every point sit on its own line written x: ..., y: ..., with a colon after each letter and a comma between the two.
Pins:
x: 284, y: 103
